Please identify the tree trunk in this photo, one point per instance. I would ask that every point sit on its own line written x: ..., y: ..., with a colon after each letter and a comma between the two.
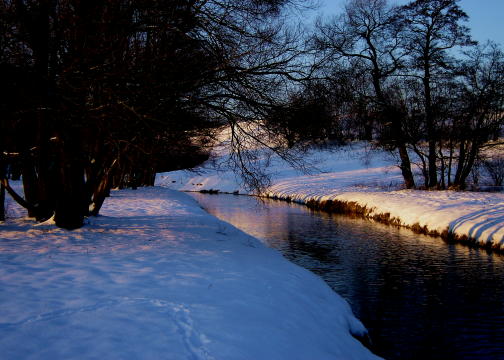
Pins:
x: 3, y: 175
x: 102, y: 190
x: 460, y: 163
x: 2, y: 202
x: 471, y: 159
x: 429, y: 116
x: 405, y: 166
x: 450, y: 163
x: 433, y: 181
x: 69, y: 211
x: 17, y: 198
x: 429, y: 121
x: 443, y: 168
x: 70, y: 205
x: 100, y: 195
x: 394, y: 116
x: 30, y: 185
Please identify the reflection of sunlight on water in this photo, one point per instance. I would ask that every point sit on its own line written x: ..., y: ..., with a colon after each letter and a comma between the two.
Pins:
x: 268, y: 220
x: 255, y: 224
x: 416, y: 294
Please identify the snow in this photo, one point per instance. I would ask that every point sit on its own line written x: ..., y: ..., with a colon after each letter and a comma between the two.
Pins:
x: 370, y: 179
x: 156, y: 277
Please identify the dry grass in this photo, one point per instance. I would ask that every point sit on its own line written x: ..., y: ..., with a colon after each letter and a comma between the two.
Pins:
x: 354, y: 209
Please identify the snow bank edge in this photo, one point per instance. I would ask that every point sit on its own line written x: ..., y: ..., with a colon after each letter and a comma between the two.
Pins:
x: 364, y: 210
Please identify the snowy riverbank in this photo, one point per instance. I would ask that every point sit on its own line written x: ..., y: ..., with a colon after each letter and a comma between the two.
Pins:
x: 371, y: 181
x: 156, y: 277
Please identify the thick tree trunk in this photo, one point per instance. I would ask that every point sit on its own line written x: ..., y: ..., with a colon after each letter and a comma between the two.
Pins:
x: 460, y: 164
x: 405, y: 166
x: 102, y: 190
x: 70, y: 205
x: 400, y: 140
x: 69, y: 211
x: 150, y: 177
x: 100, y: 195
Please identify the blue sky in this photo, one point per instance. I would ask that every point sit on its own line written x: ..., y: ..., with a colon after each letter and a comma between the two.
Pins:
x: 486, y: 16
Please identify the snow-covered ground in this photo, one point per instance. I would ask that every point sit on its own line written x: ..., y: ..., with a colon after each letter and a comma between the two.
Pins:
x: 369, y: 179
x: 156, y: 277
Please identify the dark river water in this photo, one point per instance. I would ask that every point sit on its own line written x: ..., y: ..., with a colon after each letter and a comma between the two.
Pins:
x: 419, y: 297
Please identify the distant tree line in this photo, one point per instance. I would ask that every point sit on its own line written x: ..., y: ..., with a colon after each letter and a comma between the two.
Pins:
x: 422, y: 83
x: 102, y: 94
x: 410, y: 79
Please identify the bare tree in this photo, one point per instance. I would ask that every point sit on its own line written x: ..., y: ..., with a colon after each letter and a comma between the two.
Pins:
x: 480, y: 107
x: 432, y: 28
x: 367, y: 36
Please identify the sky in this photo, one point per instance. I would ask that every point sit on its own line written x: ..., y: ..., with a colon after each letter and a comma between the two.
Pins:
x: 486, y: 17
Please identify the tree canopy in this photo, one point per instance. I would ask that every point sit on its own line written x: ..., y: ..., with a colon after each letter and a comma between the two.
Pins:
x: 99, y: 93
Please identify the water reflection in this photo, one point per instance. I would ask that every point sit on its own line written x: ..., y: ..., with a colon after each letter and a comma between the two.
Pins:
x: 419, y: 297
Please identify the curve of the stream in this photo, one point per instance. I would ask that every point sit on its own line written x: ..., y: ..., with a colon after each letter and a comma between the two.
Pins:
x: 419, y: 297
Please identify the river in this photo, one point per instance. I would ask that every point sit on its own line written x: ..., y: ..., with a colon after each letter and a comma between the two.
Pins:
x: 419, y: 297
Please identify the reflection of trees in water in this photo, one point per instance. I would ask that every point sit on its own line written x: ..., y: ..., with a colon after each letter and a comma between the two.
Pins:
x: 418, y: 296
